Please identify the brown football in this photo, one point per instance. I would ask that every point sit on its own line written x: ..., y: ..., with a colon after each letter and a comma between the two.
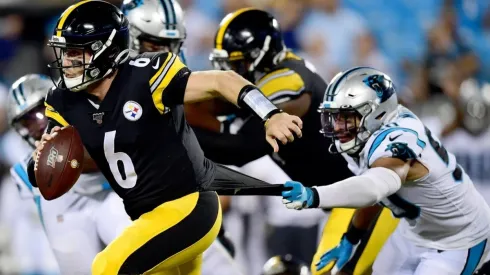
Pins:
x: 60, y: 163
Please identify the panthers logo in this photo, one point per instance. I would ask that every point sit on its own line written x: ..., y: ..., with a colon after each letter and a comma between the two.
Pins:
x: 383, y: 87
x: 401, y: 151
x: 129, y: 5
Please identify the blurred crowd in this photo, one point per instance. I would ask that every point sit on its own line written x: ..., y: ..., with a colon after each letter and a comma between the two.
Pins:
x: 436, y: 51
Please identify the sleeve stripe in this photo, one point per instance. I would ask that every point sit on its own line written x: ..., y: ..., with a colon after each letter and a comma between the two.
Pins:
x: 173, y: 67
x: 274, y: 75
x: 279, y: 94
x: 281, y: 81
x: 51, y: 113
x: 159, y: 72
x: 168, y: 65
x: 379, y: 139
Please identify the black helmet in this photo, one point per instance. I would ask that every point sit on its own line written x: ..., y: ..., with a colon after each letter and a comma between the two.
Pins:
x: 248, y: 40
x: 90, y: 27
x: 285, y: 265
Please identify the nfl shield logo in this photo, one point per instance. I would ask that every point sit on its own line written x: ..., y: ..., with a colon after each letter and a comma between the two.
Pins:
x: 97, y: 117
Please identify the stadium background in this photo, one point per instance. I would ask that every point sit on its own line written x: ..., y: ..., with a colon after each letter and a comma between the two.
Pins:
x: 429, y: 47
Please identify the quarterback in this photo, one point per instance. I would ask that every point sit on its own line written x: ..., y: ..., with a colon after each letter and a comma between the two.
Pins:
x: 399, y: 164
x: 129, y: 113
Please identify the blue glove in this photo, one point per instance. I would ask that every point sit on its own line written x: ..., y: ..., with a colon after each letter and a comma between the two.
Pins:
x: 337, y: 257
x: 299, y: 197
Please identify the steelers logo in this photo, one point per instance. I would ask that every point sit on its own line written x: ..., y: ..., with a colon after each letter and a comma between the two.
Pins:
x: 132, y: 111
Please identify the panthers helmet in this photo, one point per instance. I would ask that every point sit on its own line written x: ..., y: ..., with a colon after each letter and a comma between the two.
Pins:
x: 475, y: 105
x: 362, y: 93
x: 96, y: 28
x: 160, y: 22
x: 285, y: 265
x: 248, y: 41
x: 25, y: 109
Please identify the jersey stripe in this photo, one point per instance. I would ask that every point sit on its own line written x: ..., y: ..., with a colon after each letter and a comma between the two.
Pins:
x: 381, y: 136
x: 51, y: 113
x: 283, y: 81
x: 157, y: 77
x: 224, y: 25
x: 65, y: 15
x: 22, y: 175
x: 474, y: 257
x: 157, y: 89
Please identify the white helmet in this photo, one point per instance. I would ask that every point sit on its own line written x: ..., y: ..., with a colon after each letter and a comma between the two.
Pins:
x: 363, y: 92
x: 26, y: 106
x: 160, y: 22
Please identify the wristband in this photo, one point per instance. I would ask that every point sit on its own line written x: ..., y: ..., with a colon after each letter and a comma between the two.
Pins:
x: 252, y: 98
x: 353, y: 234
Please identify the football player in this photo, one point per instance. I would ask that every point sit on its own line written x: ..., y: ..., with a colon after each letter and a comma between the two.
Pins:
x: 129, y: 114
x: 158, y: 26
x: 249, y: 41
x: 80, y: 223
x: 399, y: 164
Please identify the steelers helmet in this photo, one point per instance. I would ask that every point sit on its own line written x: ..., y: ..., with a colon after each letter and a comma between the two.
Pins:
x: 248, y: 41
x: 285, y: 265
x: 25, y: 109
x: 98, y: 30
x: 156, y: 22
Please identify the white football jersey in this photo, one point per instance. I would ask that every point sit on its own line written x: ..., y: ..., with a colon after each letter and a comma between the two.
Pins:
x: 442, y: 210
x: 87, y: 184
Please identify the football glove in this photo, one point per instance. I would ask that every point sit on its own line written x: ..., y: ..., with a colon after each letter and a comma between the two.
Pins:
x: 299, y: 197
x: 336, y: 258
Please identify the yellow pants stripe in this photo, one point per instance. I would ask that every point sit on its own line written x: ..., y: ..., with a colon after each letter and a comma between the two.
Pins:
x: 165, y: 240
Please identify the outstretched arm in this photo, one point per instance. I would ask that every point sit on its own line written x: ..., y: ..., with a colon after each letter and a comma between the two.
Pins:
x: 384, y: 178
x: 234, y: 88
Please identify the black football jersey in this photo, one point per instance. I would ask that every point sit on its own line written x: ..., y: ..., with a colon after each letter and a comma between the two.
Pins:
x: 138, y: 135
x: 307, y: 158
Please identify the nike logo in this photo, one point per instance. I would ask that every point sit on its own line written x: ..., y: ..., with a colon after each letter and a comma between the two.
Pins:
x: 393, y: 138
x: 157, y: 65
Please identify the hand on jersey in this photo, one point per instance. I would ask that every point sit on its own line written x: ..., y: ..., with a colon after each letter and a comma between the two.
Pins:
x: 298, y: 197
x: 282, y: 127
x: 40, y: 144
x: 336, y: 258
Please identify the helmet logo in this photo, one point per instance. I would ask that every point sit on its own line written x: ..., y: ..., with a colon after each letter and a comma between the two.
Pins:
x: 382, y: 86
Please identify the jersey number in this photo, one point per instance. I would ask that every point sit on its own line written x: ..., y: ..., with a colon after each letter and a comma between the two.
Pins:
x: 140, y: 62
x: 114, y: 158
x: 442, y: 152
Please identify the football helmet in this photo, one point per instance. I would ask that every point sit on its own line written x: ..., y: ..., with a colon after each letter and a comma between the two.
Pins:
x: 356, y: 103
x: 285, y: 265
x: 158, y: 22
x: 99, y: 32
x: 25, y: 109
x: 475, y: 104
x: 248, y: 41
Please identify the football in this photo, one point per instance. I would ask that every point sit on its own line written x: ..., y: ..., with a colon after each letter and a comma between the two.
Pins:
x: 60, y: 163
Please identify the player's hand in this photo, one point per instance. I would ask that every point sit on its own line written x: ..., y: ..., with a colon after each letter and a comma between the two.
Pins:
x: 336, y: 258
x: 40, y: 144
x: 298, y: 197
x: 282, y: 127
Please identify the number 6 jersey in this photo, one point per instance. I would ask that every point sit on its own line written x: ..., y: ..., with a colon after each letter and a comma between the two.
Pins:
x: 138, y: 135
x: 442, y: 210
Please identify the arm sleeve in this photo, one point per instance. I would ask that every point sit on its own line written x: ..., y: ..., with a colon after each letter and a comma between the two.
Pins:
x: 168, y: 80
x: 54, y: 108
x: 395, y: 142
